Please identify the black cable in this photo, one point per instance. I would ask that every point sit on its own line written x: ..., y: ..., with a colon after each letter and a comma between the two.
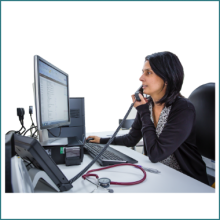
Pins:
x: 34, y: 133
x: 24, y: 132
x: 29, y: 130
x: 22, y: 124
x: 32, y: 125
x: 28, y: 164
x: 18, y: 131
x: 27, y: 161
x: 22, y: 129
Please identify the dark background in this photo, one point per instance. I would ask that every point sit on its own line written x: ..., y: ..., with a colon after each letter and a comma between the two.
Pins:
x: 102, y: 46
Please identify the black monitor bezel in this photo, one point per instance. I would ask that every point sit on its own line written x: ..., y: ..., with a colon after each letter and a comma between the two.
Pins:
x: 37, y: 93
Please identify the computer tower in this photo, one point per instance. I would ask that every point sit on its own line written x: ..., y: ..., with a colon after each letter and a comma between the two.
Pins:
x: 75, y: 129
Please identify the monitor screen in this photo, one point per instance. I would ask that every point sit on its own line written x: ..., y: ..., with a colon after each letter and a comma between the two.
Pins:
x: 51, y: 95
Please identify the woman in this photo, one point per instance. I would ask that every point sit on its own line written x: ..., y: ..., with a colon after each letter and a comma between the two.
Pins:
x: 166, y: 120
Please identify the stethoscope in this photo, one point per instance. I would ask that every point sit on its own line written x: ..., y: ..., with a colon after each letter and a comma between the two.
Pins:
x: 102, y: 182
x: 105, y: 182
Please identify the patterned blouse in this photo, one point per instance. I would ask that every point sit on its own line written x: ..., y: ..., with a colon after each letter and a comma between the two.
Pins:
x: 171, y: 160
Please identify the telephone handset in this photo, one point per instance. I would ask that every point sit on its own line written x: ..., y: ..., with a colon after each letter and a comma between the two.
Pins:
x: 140, y: 90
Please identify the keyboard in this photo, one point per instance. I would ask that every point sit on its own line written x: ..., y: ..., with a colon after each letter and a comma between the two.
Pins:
x: 109, y: 157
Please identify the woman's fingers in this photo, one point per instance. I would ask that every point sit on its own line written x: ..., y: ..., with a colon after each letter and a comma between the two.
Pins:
x: 90, y: 137
x: 133, y: 98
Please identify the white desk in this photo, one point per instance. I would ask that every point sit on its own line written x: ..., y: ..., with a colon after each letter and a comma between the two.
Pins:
x: 168, y: 181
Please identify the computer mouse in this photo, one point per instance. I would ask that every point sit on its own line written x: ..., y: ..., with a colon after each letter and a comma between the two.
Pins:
x: 89, y: 139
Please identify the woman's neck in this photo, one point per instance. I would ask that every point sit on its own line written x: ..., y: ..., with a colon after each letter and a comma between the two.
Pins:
x: 158, y: 106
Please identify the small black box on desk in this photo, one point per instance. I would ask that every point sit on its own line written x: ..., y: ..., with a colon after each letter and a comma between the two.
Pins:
x: 69, y: 155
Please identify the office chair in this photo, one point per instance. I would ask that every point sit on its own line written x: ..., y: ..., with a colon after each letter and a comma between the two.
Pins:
x: 203, y: 99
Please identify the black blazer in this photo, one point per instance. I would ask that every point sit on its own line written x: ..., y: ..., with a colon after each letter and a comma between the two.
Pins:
x: 178, y: 137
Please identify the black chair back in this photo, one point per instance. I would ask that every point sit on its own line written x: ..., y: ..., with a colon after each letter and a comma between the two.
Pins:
x: 203, y: 99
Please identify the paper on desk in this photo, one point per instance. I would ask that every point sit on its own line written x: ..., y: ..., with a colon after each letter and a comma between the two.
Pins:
x: 209, y: 163
x: 109, y: 133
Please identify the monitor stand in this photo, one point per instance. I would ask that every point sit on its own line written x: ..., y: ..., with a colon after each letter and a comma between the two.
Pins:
x: 46, y: 141
x: 74, y: 141
x: 55, y: 142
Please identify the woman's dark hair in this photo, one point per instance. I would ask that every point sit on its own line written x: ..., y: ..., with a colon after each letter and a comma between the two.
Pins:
x: 168, y: 67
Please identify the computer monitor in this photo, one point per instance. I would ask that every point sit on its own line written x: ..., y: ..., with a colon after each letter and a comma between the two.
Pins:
x: 51, y: 86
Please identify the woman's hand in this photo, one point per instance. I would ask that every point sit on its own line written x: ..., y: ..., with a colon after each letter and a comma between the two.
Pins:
x: 142, y: 102
x: 96, y: 139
